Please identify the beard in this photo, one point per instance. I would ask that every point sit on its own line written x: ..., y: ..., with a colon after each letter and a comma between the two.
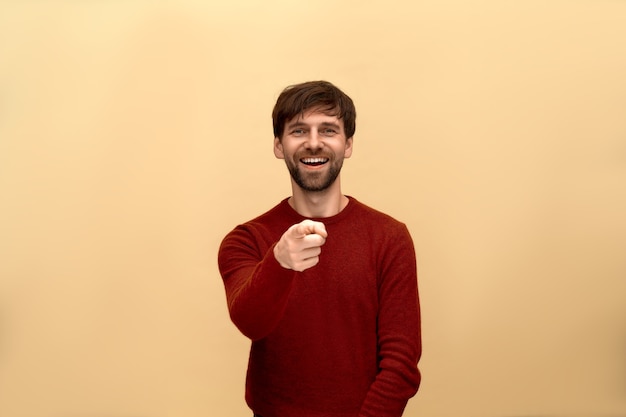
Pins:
x: 315, y: 181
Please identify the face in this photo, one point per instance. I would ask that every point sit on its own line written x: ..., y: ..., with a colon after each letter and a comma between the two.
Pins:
x: 313, y: 146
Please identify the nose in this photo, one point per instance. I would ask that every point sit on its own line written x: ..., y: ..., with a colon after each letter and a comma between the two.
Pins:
x: 314, y: 141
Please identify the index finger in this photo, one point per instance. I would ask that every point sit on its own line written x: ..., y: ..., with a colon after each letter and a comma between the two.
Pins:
x: 309, y: 227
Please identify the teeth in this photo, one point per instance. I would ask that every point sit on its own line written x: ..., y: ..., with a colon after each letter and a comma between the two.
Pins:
x: 314, y: 160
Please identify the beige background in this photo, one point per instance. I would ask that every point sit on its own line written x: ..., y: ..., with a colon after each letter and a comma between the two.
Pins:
x: 134, y: 135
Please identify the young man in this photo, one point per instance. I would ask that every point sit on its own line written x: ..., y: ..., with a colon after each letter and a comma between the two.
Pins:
x: 324, y: 286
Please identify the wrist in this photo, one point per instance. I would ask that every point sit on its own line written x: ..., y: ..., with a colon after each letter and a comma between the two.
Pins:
x: 276, y: 252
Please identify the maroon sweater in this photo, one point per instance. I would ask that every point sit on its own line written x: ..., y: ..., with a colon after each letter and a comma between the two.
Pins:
x: 340, y: 339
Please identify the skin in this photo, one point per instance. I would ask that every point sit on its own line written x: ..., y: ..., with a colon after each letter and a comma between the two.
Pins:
x: 316, y: 192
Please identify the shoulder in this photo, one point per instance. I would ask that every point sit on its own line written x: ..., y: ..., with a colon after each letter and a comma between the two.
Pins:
x: 386, y: 238
x: 374, y: 226
x: 371, y: 215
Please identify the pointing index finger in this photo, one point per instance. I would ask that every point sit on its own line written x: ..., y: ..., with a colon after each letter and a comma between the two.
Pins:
x: 309, y: 227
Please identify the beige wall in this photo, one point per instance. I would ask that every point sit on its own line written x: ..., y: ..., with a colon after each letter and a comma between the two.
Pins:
x: 134, y: 135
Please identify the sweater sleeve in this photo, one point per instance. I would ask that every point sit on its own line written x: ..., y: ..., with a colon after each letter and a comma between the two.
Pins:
x: 257, y: 287
x: 399, y: 330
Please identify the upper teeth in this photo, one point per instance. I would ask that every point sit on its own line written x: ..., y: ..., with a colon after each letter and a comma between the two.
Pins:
x: 313, y: 160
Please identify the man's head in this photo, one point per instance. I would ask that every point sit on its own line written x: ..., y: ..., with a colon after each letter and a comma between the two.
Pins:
x: 321, y: 96
x: 313, y: 129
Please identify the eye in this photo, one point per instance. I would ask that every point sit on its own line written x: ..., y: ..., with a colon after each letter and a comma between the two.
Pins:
x: 329, y: 131
x: 298, y: 132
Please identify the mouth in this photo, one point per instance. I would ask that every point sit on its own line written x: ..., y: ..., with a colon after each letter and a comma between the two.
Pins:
x: 314, y: 161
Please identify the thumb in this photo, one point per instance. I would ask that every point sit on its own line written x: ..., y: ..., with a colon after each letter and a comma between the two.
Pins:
x: 320, y: 229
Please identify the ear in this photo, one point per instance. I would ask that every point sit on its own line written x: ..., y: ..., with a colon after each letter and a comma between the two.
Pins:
x: 347, y: 153
x: 278, y: 149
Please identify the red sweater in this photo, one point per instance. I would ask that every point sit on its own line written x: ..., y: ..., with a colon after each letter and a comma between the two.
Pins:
x: 340, y: 339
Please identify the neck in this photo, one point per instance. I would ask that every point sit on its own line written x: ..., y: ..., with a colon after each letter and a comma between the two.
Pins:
x: 318, y: 204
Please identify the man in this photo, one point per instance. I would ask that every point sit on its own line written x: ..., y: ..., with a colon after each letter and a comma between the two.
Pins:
x: 324, y: 286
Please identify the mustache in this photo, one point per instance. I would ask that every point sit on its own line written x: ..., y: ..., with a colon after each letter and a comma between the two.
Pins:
x: 314, y: 154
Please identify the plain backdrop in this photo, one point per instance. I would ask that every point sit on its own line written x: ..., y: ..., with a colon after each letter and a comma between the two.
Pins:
x: 134, y: 135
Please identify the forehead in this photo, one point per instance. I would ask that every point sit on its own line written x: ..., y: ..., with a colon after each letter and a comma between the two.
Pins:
x: 315, y: 117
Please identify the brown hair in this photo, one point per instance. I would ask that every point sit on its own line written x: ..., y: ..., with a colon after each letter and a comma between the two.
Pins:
x: 297, y: 99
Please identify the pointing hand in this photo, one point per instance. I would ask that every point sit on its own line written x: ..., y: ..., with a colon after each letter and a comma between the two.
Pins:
x: 300, y: 246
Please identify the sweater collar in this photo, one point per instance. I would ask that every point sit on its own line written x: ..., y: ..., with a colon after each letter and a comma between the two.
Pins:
x: 288, y: 211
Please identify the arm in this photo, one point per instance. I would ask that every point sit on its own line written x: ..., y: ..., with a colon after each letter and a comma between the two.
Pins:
x: 258, y: 277
x: 399, y: 331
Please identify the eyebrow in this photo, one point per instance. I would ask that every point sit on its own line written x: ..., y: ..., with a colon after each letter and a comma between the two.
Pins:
x: 323, y: 124
x: 329, y: 124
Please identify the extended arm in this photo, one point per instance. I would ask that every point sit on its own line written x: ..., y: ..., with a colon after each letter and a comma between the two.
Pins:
x: 258, y: 276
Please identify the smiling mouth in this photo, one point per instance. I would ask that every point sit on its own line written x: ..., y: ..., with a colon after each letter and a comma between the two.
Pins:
x: 313, y: 162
